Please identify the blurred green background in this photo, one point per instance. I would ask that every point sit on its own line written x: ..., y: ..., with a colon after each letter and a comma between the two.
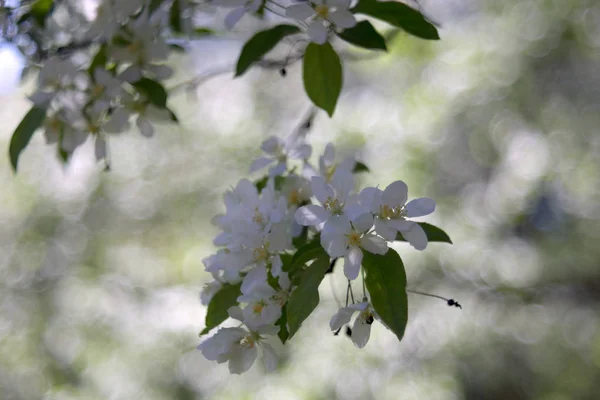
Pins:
x: 498, y: 121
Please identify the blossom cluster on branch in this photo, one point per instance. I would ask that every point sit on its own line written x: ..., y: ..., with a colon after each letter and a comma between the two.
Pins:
x: 282, y: 234
x: 104, y: 67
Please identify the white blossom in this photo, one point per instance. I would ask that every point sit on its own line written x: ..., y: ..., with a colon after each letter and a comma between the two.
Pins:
x: 322, y: 14
x: 361, y: 329
x: 240, y: 7
x: 346, y: 238
x: 279, y: 151
x: 391, y: 212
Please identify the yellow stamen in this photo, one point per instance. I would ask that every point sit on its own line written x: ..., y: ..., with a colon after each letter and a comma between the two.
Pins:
x: 322, y: 11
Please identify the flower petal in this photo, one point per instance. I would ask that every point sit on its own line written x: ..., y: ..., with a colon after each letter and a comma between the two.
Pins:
x: 335, y: 245
x: 311, y: 214
x: 395, y: 194
x: 420, y: 207
x: 361, y: 331
x: 100, y: 148
x: 416, y: 237
x: 241, y: 359
x: 236, y: 313
x: 145, y: 126
x: 384, y: 229
x: 317, y: 32
x: 352, y: 262
x: 374, y: 244
x: 234, y: 16
x: 321, y: 189
x: 269, y: 357
x: 299, y: 12
x: 401, y: 225
x: 260, y: 163
x: 270, y: 145
x: 342, y: 18
x: 363, y: 222
x: 341, y: 318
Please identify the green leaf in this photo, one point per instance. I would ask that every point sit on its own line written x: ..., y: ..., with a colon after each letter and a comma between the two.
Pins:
x: 322, y: 75
x: 260, y: 44
x: 399, y: 15
x: 360, y: 167
x: 175, y: 16
x: 154, y: 91
x: 434, y: 234
x: 219, y: 304
x: 22, y: 135
x: 305, y: 298
x: 364, y: 35
x: 282, y: 324
x: 198, y: 32
x: 262, y: 183
x: 386, y: 282
x: 99, y: 60
x: 40, y: 10
x: 173, y: 116
x: 310, y: 251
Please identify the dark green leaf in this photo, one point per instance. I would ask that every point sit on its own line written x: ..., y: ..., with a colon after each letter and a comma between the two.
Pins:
x: 322, y: 75
x: 360, y: 167
x: 219, y: 304
x: 198, y: 32
x: 305, y: 298
x: 364, y: 35
x: 154, y: 91
x: 260, y: 44
x: 399, y: 15
x: 282, y: 324
x: 305, y: 254
x: 175, y: 16
x: 22, y: 135
x: 40, y: 10
x: 99, y: 60
x: 262, y: 182
x: 301, y: 240
x: 177, y: 47
x: 386, y: 282
x: 121, y: 41
x: 434, y: 234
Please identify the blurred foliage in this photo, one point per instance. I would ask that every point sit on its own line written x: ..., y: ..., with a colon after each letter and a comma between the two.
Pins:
x: 497, y: 121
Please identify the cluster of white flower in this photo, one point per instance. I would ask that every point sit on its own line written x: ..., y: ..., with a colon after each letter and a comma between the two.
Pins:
x: 318, y: 17
x: 258, y: 229
x: 99, y: 93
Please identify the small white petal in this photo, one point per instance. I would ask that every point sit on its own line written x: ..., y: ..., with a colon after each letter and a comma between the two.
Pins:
x: 233, y: 17
x: 416, y: 237
x: 271, y: 145
x: 276, y: 265
x: 335, y: 246
x: 420, y: 207
x: 260, y: 163
x: 361, y: 331
x: 145, y: 127
x: 317, y: 32
x: 343, y: 183
x: 133, y: 73
x: 352, y: 262
x: 236, y: 313
x: 401, y: 225
x: 395, y: 194
x: 370, y: 197
x: 329, y: 154
x: 341, y: 318
x: 241, y: 359
x: 321, y: 189
x: 100, y: 148
x: 299, y: 12
x: 363, y: 222
x: 342, y: 18
x: 269, y: 357
x: 256, y: 278
x: 374, y: 244
x: 301, y: 152
x: 311, y: 214
x: 384, y: 229
x: 278, y: 169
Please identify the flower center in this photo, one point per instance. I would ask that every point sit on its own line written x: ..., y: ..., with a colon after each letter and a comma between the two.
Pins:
x: 260, y: 254
x: 322, y: 11
x: 258, y: 217
x: 354, y: 239
x: 333, y: 206
x: 294, y: 197
x: 248, y: 341
x: 386, y: 212
x: 258, y: 307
